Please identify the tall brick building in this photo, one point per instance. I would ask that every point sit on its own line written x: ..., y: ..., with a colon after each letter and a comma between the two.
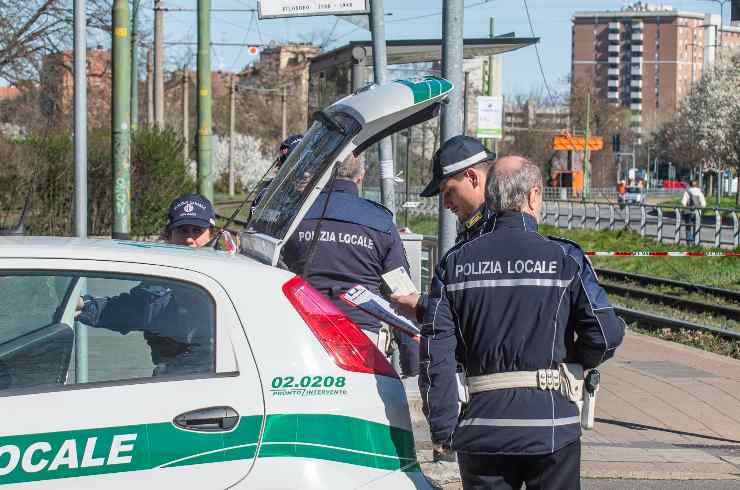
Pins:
x: 288, y: 65
x: 645, y: 57
x: 57, y: 84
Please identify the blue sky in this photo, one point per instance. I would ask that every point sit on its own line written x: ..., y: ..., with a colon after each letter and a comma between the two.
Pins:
x: 550, y: 19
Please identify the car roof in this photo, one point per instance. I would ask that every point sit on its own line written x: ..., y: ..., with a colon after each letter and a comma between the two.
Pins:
x: 154, y: 253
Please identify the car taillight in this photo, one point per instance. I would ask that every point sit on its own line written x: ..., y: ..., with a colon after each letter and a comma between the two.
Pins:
x: 343, y: 340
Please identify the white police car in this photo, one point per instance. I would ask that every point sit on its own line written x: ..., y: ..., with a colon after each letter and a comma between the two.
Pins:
x: 286, y: 392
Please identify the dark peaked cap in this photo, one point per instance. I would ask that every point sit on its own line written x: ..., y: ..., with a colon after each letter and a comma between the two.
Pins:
x: 454, y: 156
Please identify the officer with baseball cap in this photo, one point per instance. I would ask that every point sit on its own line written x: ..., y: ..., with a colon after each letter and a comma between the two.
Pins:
x: 174, y: 322
x: 459, y: 172
x: 191, y: 220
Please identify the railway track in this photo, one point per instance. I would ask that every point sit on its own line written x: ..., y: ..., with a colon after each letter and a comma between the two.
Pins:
x: 610, y: 279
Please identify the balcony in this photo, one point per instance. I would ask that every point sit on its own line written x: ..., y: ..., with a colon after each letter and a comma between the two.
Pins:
x: 636, y: 70
x: 637, y: 37
x: 636, y: 83
x: 612, y: 95
x: 613, y: 72
x: 636, y: 60
x: 612, y: 83
x: 614, y: 36
x: 637, y: 24
x: 636, y: 95
x: 636, y: 106
x: 636, y: 48
x: 614, y: 48
x: 613, y: 60
x: 613, y: 26
x: 636, y: 118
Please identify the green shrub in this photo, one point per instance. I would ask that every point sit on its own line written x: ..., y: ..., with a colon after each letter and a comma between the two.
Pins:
x: 45, y: 165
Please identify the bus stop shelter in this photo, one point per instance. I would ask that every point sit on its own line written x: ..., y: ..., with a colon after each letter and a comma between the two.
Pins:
x: 337, y: 73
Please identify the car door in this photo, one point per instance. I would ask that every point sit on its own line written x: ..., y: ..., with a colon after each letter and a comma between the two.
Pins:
x: 87, y: 405
x: 350, y: 125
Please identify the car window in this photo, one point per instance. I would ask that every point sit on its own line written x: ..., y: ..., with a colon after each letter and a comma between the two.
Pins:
x: 43, y: 295
x: 117, y: 327
x: 299, y: 174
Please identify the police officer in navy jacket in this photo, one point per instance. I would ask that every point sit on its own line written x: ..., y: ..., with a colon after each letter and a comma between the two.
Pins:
x: 176, y: 320
x: 357, y: 242
x: 513, y: 302
x: 459, y: 168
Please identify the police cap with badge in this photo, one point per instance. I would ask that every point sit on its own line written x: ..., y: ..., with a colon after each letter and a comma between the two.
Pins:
x: 454, y: 156
x: 191, y: 209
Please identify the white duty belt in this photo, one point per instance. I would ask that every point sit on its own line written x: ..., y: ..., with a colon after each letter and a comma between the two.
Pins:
x: 567, y: 378
x: 544, y: 379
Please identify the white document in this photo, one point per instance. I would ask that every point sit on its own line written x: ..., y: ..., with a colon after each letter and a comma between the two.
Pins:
x: 398, y: 281
x: 372, y: 304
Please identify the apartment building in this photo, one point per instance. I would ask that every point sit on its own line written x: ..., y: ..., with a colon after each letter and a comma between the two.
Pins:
x: 646, y: 57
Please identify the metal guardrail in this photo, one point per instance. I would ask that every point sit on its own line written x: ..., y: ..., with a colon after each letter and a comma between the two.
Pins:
x: 718, y: 227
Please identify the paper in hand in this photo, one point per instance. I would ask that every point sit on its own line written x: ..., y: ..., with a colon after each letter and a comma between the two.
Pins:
x: 372, y: 304
x: 399, y: 282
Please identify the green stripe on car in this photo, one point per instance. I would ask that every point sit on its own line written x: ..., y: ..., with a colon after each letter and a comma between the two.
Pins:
x: 90, y: 452
x: 427, y: 87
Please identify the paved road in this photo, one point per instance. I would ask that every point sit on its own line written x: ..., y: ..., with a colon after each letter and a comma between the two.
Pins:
x: 621, y: 216
x: 665, y: 412
x: 597, y: 484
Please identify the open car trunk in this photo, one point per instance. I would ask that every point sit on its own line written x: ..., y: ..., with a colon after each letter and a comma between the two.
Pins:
x: 350, y: 125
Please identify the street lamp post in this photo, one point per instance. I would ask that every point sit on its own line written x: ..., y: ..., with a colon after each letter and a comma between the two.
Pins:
x: 721, y: 20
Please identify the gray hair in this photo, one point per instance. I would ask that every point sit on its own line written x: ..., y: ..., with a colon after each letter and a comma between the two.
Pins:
x: 351, y: 168
x: 507, y: 187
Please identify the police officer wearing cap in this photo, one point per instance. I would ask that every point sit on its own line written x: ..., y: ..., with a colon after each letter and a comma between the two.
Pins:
x: 459, y: 167
x: 522, y: 314
x: 357, y: 242
x: 174, y: 321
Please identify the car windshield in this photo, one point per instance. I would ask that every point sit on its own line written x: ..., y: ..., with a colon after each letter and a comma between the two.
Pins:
x: 300, y: 173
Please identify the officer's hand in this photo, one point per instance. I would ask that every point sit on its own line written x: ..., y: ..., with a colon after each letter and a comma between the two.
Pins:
x: 405, y: 304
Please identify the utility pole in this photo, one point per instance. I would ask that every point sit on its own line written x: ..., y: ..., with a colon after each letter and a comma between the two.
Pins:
x: 466, y: 86
x: 150, y: 88
x: 452, y: 70
x: 135, y: 65
x: 492, y: 142
x: 284, y: 108
x: 185, y: 114
x: 385, y: 152
x: 121, y: 121
x: 587, y: 151
x: 232, y: 114
x: 80, y: 101
x: 205, y: 149
x: 158, y: 64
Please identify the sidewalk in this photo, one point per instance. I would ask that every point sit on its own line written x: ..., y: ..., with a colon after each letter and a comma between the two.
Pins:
x: 664, y: 411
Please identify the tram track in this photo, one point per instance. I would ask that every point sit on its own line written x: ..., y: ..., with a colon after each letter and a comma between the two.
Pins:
x: 653, y: 302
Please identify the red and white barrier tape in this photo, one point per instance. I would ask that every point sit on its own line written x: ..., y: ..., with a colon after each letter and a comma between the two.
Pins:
x: 662, y: 254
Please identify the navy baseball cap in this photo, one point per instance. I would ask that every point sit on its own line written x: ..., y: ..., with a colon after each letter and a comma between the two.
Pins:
x: 287, y: 146
x: 191, y: 209
x: 454, y: 156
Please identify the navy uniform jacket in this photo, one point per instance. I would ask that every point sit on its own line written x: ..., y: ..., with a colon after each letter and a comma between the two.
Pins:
x: 357, y: 242
x: 177, y: 326
x: 512, y: 300
x: 481, y: 222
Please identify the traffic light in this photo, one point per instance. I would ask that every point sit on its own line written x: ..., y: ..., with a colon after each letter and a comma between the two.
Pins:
x: 253, y: 50
x: 616, y: 146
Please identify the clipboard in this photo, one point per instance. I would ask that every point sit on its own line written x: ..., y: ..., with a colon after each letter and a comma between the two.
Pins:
x: 374, y: 305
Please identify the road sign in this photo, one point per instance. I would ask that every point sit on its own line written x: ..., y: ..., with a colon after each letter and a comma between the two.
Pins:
x: 568, y: 142
x: 490, y: 116
x: 270, y: 9
x: 253, y: 50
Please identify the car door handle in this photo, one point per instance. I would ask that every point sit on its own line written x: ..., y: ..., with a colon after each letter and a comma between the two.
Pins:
x: 211, y: 419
